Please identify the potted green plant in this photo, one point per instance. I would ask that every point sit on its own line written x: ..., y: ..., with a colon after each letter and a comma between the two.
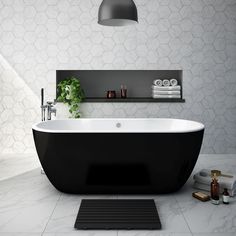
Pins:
x: 71, y: 93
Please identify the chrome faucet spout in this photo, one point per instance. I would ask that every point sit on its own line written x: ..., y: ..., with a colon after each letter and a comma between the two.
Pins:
x: 50, y: 110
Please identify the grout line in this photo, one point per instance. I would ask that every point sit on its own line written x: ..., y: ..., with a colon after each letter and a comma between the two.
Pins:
x: 183, y: 216
x: 51, y: 214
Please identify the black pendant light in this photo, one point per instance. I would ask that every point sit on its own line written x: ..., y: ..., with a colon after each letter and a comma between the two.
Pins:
x: 117, y: 13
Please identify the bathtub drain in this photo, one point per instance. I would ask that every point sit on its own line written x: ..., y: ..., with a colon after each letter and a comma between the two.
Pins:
x: 118, y: 125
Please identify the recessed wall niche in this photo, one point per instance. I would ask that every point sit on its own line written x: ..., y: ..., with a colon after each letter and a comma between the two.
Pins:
x: 139, y: 83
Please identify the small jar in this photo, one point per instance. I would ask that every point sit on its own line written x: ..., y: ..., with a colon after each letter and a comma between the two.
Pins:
x: 111, y: 94
x: 225, y: 196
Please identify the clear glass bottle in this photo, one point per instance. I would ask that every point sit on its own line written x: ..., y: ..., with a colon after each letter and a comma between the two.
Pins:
x: 215, y: 190
x: 225, y: 196
x: 123, y: 91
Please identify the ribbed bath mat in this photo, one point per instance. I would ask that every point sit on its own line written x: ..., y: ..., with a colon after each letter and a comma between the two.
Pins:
x: 118, y: 214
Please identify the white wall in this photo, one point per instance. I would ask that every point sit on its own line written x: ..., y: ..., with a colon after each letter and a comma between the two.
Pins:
x: 199, y: 36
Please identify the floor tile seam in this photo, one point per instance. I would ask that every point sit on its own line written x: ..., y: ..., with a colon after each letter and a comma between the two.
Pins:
x: 14, y: 176
x: 182, y: 213
x: 17, y: 201
x: 20, y: 232
x: 51, y: 214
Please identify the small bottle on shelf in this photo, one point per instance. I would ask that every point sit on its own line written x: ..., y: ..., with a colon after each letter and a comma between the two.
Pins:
x: 225, y: 196
x: 215, y: 190
x: 123, y: 91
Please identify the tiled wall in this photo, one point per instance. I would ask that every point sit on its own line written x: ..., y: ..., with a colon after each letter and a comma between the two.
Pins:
x: 18, y: 110
x: 198, y: 36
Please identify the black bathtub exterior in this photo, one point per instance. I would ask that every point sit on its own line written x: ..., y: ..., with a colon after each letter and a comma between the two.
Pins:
x: 124, y: 163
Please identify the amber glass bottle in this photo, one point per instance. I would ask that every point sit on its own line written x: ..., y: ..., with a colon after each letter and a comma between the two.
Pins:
x: 225, y: 196
x: 215, y: 190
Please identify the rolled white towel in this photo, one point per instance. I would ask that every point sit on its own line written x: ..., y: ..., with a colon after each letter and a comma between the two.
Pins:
x: 165, y: 96
x: 158, y: 82
x: 166, y: 83
x: 204, y: 187
x: 170, y: 88
x: 207, y: 188
x: 163, y: 92
x: 173, y: 82
x: 204, y: 177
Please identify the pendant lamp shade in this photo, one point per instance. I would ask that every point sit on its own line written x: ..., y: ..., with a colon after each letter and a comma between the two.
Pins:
x: 117, y: 13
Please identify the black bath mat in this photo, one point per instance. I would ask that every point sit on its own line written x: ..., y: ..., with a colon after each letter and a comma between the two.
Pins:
x: 117, y: 214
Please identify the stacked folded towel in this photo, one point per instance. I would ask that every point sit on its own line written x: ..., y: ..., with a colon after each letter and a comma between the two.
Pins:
x: 202, y: 180
x: 166, y: 88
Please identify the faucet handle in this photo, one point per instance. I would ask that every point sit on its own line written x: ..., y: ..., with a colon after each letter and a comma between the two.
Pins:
x: 50, y: 103
x: 54, y: 110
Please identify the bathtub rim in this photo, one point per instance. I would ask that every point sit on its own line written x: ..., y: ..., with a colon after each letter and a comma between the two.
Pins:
x: 199, y: 126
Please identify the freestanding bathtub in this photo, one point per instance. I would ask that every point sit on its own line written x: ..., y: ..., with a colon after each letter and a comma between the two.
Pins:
x: 118, y: 155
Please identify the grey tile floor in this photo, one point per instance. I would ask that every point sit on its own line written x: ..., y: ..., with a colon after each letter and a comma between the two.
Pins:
x: 30, y: 205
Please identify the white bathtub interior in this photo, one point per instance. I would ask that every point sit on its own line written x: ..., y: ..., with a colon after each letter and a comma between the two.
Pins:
x: 141, y: 125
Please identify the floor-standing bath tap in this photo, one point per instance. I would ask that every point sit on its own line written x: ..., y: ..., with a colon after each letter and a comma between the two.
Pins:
x: 43, y: 107
x: 49, y: 107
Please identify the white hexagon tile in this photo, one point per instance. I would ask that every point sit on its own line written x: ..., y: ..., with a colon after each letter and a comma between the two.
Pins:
x: 19, y: 109
x: 37, y: 37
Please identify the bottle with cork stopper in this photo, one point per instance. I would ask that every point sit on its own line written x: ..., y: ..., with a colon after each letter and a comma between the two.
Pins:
x: 215, y: 190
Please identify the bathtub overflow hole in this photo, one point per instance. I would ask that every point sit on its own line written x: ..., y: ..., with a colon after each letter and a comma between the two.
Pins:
x: 118, y: 125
